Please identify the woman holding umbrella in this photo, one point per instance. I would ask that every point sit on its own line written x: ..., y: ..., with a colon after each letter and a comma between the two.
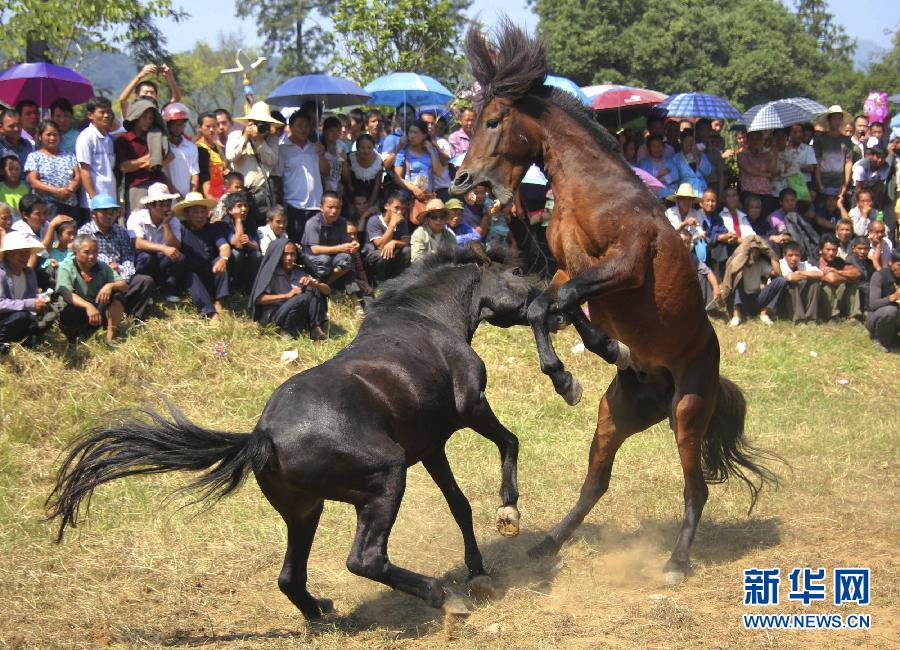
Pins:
x: 54, y: 174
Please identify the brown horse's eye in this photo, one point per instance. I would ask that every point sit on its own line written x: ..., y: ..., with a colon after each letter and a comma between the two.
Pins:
x: 492, y: 124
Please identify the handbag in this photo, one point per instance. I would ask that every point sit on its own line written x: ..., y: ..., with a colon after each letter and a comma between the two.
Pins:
x: 797, y: 182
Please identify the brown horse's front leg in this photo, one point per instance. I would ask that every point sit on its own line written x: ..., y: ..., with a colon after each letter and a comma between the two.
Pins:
x: 538, y: 317
x: 616, y: 274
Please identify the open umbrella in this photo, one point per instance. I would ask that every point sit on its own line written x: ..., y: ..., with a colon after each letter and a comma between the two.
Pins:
x: 407, y: 88
x: 535, y: 176
x: 894, y: 98
x: 651, y: 181
x: 618, y: 98
x: 774, y: 115
x: 43, y: 83
x: 699, y: 105
x: 593, y: 91
x: 814, y: 108
x: 568, y: 85
x: 333, y: 92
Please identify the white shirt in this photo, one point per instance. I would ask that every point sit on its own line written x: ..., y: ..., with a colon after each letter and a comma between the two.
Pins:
x: 886, y: 248
x: 95, y: 150
x: 299, y: 170
x: 861, y: 223
x: 184, y: 164
x: 744, y: 223
x: 140, y: 225
x: 802, y: 267
x: 443, y: 181
x: 674, y: 217
x: 255, y: 168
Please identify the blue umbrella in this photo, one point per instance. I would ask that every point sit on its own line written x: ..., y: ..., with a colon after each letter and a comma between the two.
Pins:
x: 895, y: 122
x: 568, y: 85
x: 334, y: 92
x: 407, y: 88
x: 699, y: 105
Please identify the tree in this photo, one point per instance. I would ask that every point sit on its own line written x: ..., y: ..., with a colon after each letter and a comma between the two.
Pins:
x: 382, y: 36
x: 70, y: 27
x: 819, y: 23
x: 280, y: 24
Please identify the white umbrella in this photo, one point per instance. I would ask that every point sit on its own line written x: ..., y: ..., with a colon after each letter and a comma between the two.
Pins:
x: 774, y: 115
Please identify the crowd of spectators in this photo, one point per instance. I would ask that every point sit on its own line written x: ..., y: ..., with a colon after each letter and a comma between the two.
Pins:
x: 100, y: 219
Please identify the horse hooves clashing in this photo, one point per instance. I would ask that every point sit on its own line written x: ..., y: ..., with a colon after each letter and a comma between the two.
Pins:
x: 482, y: 588
x: 573, y: 395
x: 508, y: 521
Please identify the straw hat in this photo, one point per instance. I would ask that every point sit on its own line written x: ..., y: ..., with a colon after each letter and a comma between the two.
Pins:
x: 835, y: 108
x: 685, y: 191
x: 192, y: 199
x: 259, y: 112
x: 19, y: 241
x: 433, y: 206
x: 158, y: 192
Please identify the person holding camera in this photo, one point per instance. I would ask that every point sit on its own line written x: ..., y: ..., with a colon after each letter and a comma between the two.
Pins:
x: 254, y: 152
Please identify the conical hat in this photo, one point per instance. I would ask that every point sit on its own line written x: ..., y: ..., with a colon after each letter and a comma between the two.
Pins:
x: 259, y: 112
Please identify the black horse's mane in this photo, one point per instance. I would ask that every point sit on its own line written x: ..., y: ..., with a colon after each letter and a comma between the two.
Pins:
x: 426, y: 272
x: 516, y: 66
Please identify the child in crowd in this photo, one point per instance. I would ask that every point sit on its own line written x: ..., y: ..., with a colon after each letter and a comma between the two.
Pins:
x: 234, y: 182
x: 60, y: 251
x: 245, y: 255
x: 275, y: 228
x: 12, y: 188
x: 496, y: 225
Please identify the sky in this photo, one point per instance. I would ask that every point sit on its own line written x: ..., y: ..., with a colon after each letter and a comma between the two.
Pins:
x: 863, y: 19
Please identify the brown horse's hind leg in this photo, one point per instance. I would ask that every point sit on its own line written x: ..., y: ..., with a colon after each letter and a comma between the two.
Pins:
x: 692, y: 413
x: 628, y: 406
x: 293, y: 576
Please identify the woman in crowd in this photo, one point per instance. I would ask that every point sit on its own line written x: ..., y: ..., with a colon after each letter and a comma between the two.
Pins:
x: 54, y: 174
x: 416, y: 165
x: 362, y: 176
x: 691, y: 165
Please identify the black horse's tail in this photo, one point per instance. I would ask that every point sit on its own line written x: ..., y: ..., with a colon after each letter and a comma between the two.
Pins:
x: 725, y: 448
x: 153, y: 444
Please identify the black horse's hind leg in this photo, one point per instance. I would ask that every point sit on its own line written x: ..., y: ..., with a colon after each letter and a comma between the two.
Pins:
x: 292, y: 580
x: 376, y: 512
x: 628, y: 406
x: 439, y: 469
x: 486, y: 423
x: 551, y: 365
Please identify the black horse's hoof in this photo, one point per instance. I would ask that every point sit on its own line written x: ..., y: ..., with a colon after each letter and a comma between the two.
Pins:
x: 674, y: 573
x: 547, y: 547
x: 573, y: 394
x: 317, y: 609
x: 326, y: 605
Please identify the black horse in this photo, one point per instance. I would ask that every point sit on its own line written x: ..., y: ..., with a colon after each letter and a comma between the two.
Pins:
x: 347, y: 430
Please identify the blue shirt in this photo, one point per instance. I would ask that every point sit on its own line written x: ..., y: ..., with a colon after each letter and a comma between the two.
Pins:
x: 465, y: 233
x: 415, y: 167
x: 687, y: 174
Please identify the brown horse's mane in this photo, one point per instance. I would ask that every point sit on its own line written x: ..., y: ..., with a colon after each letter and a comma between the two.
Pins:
x: 515, y: 68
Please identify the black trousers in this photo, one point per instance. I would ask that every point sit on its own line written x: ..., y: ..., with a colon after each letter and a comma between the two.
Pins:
x: 379, y: 269
x: 137, y: 298
x: 74, y: 323
x: 301, y: 312
x: 297, y: 218
x: 168, y: 275
x: 883, y: 324
x: 206, y: 287
x: 19, y: 326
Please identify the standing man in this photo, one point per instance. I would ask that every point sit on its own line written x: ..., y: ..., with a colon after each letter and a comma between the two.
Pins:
x: 254, y: 153
x: 135, y: 160
x: 459, y: 139
x: 143, y: 88
x: 183, y: 169
x: 833, y: 153
x: 115, y: 248
x: 63, y: 114
x: 301, y: 167
x: 95, y: 152
x: 11, y: 141
x: 224, y: 125
x: 31, y: 117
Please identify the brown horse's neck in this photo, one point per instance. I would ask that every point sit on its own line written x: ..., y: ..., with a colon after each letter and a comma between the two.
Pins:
x: 575, y: 162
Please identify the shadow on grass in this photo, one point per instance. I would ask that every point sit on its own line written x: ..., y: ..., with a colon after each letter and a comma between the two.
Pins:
x: 404, y: 617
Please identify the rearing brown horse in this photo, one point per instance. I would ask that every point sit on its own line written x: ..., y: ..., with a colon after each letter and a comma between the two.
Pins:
x: 617, y: 252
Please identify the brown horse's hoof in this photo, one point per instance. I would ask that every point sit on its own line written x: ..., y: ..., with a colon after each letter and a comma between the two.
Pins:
x: 456, y: 611
x: 508, y: 521
x: 482, y: 588
x: 573, y: 395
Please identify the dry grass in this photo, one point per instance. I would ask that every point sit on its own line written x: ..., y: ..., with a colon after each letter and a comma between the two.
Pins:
x: 141, y: 575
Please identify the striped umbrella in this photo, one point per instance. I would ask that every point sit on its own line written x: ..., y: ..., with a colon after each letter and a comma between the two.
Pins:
x: 775, y: 115
x: 699, y: 105
x: 812, y: 107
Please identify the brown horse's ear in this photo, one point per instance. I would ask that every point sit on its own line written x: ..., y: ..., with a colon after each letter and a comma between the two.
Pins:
x: 480, y: 254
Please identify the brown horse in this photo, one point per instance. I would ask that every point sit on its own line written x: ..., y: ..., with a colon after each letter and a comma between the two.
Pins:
x: 617, y: 252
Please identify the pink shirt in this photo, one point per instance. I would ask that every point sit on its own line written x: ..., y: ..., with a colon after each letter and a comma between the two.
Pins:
x: 761, y: 160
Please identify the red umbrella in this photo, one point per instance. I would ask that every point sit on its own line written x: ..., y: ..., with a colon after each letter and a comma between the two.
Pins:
x: 626, y: 97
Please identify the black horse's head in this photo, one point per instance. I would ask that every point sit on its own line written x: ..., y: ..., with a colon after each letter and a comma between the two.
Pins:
x: 504, y: 293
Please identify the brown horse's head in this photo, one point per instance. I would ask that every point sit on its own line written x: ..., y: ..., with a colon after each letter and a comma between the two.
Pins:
x: 505, y: 139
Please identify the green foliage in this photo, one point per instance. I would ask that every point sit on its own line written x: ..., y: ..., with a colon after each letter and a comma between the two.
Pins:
x: 382, y: 36
x: 280, y: 24
x: 748, y: 51
x: 77, y: 26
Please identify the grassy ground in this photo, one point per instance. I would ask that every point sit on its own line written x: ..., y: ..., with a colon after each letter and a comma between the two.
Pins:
x: 139, y: 574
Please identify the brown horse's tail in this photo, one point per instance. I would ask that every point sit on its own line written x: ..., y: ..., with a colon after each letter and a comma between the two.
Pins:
x: 153, y: 444
x: 725, y: 449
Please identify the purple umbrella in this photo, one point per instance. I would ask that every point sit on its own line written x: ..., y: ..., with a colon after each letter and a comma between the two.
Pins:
x: 43, y: 83
x: 649, y: 179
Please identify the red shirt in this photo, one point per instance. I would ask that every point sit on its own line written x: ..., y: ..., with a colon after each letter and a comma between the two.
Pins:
x: 128, y: 146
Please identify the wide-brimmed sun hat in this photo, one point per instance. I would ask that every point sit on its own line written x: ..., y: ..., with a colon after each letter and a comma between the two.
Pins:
x: 20, y: 241
x: 192, y: 199
x: 833, y: 110
x: 433, y: 207
x: 158, y: 192
x: 259, y: 112
x: 684, y: 191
